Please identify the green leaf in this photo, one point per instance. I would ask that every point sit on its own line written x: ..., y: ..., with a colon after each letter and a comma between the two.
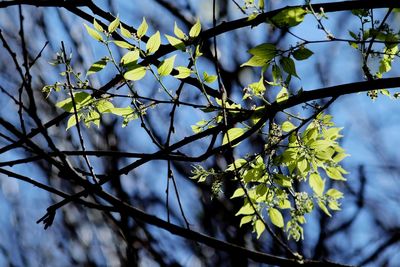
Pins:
x: 195, y: 30
x: 121, y: 111
x: 254, y: 174
x: 255, y: 61
x: 259, y: 226
x: 72, y: 121
x: 287, y: 126
x: 332, y: 133
x: 153, y: 43
x: 97, y: 26
x: 319, y: 145
x: 258, y: 88
x: 238, y: 193
x: 385, y: 92
x: 283, y: 95
x: 103, y: 105
x: 334, y: 174
x: 252, y: 16
x: 183, y: 72
x: 178, y: 32
x: 93, y: 33
x: 130, y: 58
x: 123, y: 44
x: 333, y: 204
x: 135, y: 73
x: 238, y: 163
x: 302, y: 166
x: 324, y: 208
x: 92, y: 117
x: 209, y: 78
x: 198, y: 52
x: 354, y: 45
x: 276, y: 217
x: 334, y: 193
x: 288, y: 66
x: 289, y: 17
x: 81, y: 99
x: 339, y: 157
x: 96, y: 67
x: 285, y: 204
x: 142, y: 29
x: 302, y: 53
x: 258, y: 114
x: 261, y: 4
x: 247, y: 209
x: 175, y: 42
x: 166, y: 66
x: 317, y: 184
x: 283, y: 180
x: 125, y: 32
x: 233, y: 133
x: 113, y: 25
x: 352, y: 34
x: 276, y: 73
x: 265, y: 51
x: 245, y: 219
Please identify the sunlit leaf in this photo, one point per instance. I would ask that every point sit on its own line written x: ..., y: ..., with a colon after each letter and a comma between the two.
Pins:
x: 142, y: 29
x: 289, y: 17
x: 130, y: 58
x: 97, y: 26
x: 259, y: 226
x: 276, y: 217
x: 246, y: 210
x: 125, y: 32
x: 258, y: 88
x: 103, y: 105
x: 195, y: 30
x: 233, y: 133
x: 178, y: 32
x: 93, y: 33
x: 287, y: 126
x: 334, y: 193
x: 238, y: 163
x: 323, y: 207
x: 123, y: 44
x: 166, y: 66
x: 261, y: 4
x: 255, y: 61
x: 92, y: 117
x: 72, y: 121
x: 96, y: 67
x: 113, y: 25
x: 209, y: 78
x: 265, y: 51
x: 283, y: 95
x: 81, y: 99
x: 183, y: 72
x: 245, y: 219
x: 135, y: 73
x: 175, y: 42
x: 339, y: 157
x: 153, y: 43
x: 121, y: 111
x: 334, y: 174
x: 317, y: 184
x: 238, y: 193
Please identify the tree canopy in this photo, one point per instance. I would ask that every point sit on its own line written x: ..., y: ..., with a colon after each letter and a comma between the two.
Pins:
x: 199, y: 133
